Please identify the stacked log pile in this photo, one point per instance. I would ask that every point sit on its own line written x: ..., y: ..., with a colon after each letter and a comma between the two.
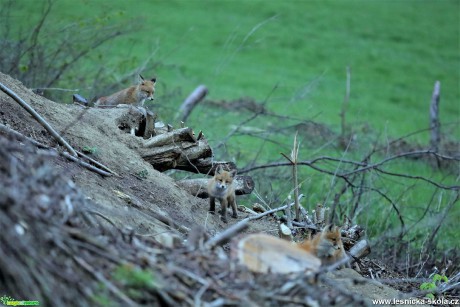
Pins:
x: 178, y: 149
x: 167, y: 148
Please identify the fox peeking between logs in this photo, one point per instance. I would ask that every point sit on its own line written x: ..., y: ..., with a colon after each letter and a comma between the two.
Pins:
x: 134, y: 95
x: 221, y: 187
x: 326, y: 245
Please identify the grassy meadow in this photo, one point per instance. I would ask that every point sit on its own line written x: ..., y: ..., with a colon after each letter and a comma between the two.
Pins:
x: 291, y: 57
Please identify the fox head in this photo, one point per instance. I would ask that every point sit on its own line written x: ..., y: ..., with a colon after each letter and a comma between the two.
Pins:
x: 332, y: 235
x: 146, y: 88
x: 223, y: 179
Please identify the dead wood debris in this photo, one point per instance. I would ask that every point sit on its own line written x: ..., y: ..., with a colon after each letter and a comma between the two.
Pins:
x: 56, y: 251
x: 39, y: 118
x: 91, y: 165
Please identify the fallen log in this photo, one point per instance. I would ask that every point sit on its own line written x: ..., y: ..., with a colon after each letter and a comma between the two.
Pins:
x: 360, y: 249
x: 177, y: 155
x: 173, y: 137
x: 193, y: 153
x: 198, y: 187
x: 206, y: 166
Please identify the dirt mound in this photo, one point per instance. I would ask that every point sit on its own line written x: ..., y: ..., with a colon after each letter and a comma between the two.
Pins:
x: 74, y: 237
x: 128, y: 198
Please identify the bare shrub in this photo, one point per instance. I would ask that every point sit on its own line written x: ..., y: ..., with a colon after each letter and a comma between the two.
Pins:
x: 369, y: 183
x: 57, y: 58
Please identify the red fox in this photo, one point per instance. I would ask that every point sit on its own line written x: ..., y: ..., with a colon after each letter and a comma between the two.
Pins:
x: 327, y: 245
x: 267, y: 254
x: 221, y: 187
x: 134, y: 95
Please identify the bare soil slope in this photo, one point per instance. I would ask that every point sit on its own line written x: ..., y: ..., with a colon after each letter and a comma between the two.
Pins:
x: 129, y: 199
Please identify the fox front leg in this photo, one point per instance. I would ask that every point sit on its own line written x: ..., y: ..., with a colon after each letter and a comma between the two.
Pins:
x: 224, y: 204
x: 212, y: 205
x: 232, y: 201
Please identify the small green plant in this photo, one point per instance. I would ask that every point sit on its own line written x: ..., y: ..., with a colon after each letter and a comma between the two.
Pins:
x: 433, y: 285
x: 101, y: 296
x: 89, y: 150
x: 102, y: 300
x: 135, y: 277
x: 143, y: 174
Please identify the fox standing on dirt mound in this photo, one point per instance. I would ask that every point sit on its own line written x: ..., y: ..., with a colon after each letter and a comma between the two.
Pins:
x: 134, y: 95
x: 221, y: 187
x: 326, y: 245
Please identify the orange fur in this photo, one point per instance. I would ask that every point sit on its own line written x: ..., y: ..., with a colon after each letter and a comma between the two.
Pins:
x: 221, y: 187
x: 267, y: 254
x: 134, y: 95
x: 326, y: 245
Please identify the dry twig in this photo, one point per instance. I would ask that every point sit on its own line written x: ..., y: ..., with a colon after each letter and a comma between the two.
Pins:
x: 104, y: 171
x: 40, y: 119
x: 230, y: 232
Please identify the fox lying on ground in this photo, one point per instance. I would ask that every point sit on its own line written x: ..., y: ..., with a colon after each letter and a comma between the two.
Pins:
x: 268, y: 254
x: 221, y: 187
x: 134, y: 95
x: 326, y: 245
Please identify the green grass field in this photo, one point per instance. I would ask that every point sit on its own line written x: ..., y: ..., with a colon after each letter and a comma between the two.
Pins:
x: 292, y: 55
x: 396, y: 51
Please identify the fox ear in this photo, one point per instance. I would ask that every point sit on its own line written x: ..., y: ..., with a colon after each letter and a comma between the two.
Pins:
x: 154, y: 80
x: 218, y: 169
x: 334, y: 228
x: 328, y: 227
x: 233, y: 173
x: 141, y: 78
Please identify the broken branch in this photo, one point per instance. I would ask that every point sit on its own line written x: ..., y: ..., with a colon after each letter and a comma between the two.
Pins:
x: 40, y: 119
x: 192, y: 100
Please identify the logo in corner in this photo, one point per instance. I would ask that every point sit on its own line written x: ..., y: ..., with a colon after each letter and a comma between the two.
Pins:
x: 5, y: 298
x: 9, y: 301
